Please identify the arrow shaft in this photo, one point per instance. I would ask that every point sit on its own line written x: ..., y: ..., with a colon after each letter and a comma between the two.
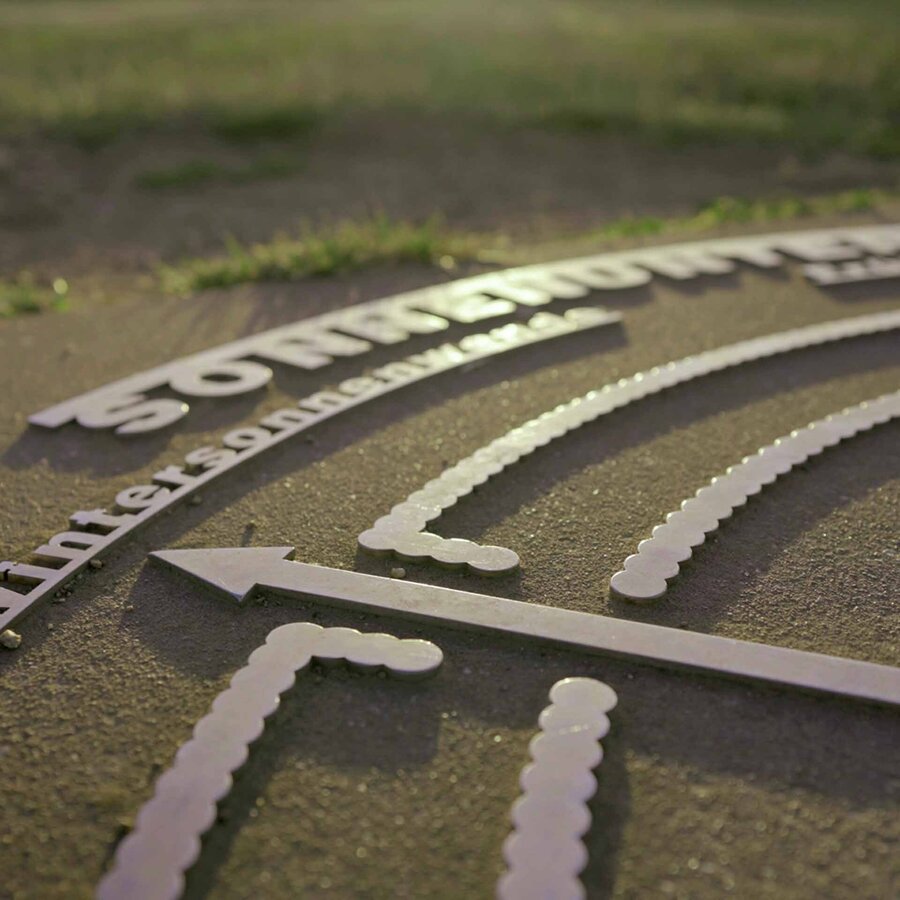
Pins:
x: 653, y: 644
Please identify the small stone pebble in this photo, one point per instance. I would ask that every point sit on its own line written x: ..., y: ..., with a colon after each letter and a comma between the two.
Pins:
x: 10, y: 639
x: 96, y: 563
x: 398, y: 572
x: 196, y: 500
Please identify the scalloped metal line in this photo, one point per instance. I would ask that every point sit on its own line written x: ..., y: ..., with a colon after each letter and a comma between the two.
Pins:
x: 644, y: 575
x: 545, y: 852
x: 151, y: 861
x: 402, y: 532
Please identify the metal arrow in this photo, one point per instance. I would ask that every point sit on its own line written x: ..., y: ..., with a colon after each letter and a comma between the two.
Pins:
x: 239, y: 571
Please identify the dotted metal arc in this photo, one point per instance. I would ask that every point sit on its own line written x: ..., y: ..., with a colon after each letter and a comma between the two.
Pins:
x: 150, y: 863
x: 402, y: 533
x: 545, y: 852
x: 645, y: 574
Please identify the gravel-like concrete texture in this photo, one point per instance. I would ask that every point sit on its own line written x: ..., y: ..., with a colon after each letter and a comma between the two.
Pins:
x: 362, y: 787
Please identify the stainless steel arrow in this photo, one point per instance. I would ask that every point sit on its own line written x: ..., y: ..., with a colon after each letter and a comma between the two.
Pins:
x: 239, y: 571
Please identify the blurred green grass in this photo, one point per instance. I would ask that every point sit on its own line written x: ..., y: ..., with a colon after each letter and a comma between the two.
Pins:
x: 744, y: 211
x: 353, y: 245
x: 200, y: 172
x: 815, y: 76
x: 345, y: 247
x: 25, y: 295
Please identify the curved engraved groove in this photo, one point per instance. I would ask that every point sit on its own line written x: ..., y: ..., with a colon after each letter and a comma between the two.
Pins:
x: 150, y: 863
x: 402, y: 531
x: 645, y: 574
x: 545, y: 853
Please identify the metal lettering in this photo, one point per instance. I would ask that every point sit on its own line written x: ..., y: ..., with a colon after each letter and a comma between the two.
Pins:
x: 200, y: 460
x: 322, y: 401
x: 206, y: 463
x: 872, y: 268
x: 68, y: 545
x: 100, y: 519
x: 284, y: 418
x: 309, y: 350
x: 224, y: 379
x: 244, y: 438
x: 313, y: 342
x: 173, y: 476
x: 134, y: 499
x: 390, y: 329
x: 131, y: 414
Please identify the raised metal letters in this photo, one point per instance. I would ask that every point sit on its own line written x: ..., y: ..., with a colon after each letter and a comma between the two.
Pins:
x: 239, y: 571
x: 644, y: 574
x: 872, y: 268
x: 314, y: 342
x: 402, y: 531
x: 137, y: 505
x: 545, y: 853
x: 150, y: 863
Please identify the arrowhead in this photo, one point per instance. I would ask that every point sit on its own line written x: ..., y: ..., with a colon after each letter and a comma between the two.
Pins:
x: 233, y: 570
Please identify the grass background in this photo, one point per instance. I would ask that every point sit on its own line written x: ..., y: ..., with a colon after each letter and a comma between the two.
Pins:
x: 171, y: 108
x: 815, y: 76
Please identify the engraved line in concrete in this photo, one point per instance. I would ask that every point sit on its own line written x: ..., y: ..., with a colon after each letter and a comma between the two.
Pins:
x: 135, y: 506
x: 402, y: 533
x: 239, y: 571
x: 645, y: 574
x: 545, y: 853
x: 150, y: 863
x: 315, y: 342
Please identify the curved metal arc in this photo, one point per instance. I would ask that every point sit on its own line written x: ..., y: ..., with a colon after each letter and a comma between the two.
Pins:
x: 644, y: 575
x: 315, y: 342
x: 205, y: 464
x: 402, y: 530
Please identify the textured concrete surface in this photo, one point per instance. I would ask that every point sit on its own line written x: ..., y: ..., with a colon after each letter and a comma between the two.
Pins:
x: 367, y: 788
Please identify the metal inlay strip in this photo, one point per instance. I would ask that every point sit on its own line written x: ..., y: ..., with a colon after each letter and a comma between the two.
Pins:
x: 545, y: 852
x: 645, y: 574
x: 316, y: 341
x: 151, y: 862
x: 239, y: 571
x: 401, y: 531
x: 136, y: 506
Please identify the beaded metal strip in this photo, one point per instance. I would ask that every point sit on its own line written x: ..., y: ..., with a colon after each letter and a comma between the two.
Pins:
x: 545, y: 853
x: 401, y: 532
x: 150, y: 863
x: 644, y: 575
